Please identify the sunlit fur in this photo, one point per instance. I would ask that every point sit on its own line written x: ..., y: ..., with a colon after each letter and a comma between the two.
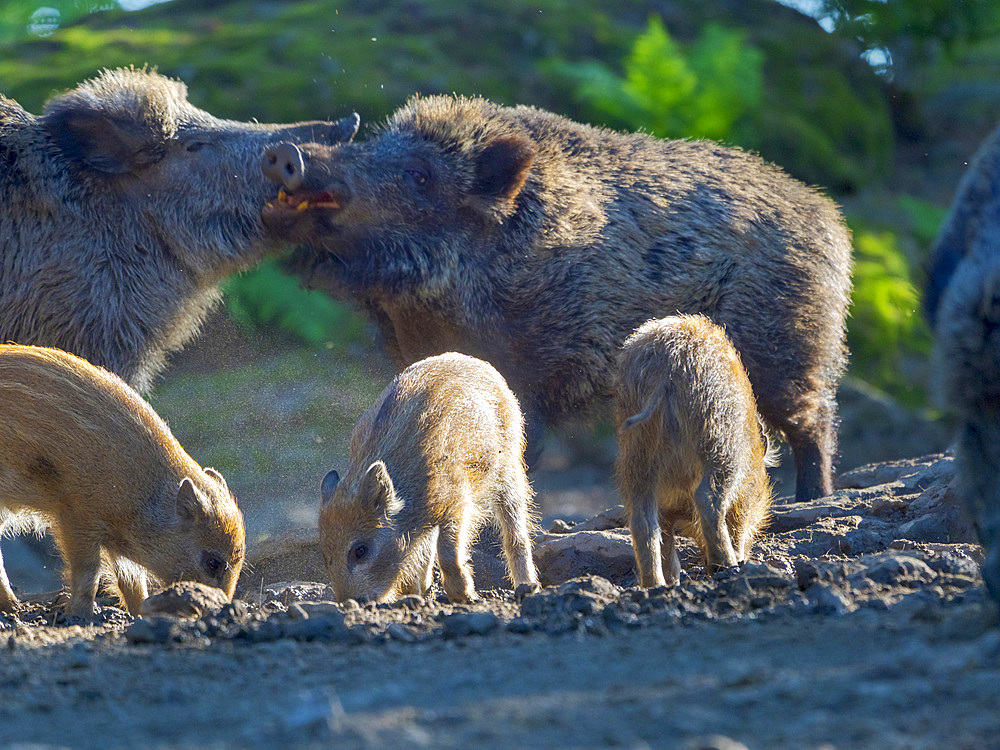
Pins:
x: 85, y: 456
x: 539, y: 244
x: 122, y: 207
x: 439, y: 453
x: 691, y: 448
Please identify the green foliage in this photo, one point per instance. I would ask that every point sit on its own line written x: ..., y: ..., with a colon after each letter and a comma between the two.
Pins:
x: 923, y: 218
x: 886, y: 331
x: 266, y: 296
x: 671, y: 92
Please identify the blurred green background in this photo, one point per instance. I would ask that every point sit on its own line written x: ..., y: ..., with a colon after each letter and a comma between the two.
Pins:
x: 880, y: 103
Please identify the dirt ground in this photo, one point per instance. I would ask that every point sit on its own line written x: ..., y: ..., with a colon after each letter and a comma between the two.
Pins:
x: 860, y: 621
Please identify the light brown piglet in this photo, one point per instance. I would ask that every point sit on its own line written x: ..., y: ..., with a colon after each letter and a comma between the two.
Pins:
x: 84, y: 455
x: 439, y: 453
x: 691, y: 448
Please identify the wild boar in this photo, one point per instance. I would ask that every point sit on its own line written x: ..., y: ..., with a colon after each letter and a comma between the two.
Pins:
x: 122, y: 207
x: 439, y: 453
x: 538, y: 244
x: 691, y: 447
x: 86, y: 457
x: 975, y: 211
x: 967, y: 365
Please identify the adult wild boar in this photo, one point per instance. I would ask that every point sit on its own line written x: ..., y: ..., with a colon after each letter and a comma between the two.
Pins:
x: 539, y: 244
x: 122, y: 207
x: 975, y: 214
x: 967, y: 369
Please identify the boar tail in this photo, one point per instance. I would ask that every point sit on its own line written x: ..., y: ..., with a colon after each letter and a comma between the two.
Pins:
x: 648, y: 410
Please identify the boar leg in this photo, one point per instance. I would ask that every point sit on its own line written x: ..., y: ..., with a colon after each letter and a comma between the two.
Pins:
x: 668, y: 555
x: 420, y: 566
x: 83, y: 563
x: 512, y: 517
x: 712, y: 501
x: 453, y: 557
x: 644, y: 525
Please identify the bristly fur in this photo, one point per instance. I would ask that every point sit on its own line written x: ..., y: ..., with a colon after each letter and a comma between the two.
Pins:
x: 695, y: 456
x: 450, y: 436
x: 538, y: 244
x: 116, y: 227
x: 85, y: 456
x: 967, y: 365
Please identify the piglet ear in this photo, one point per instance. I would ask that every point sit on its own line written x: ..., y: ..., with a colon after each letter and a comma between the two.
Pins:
x: 377, y: 488
x: 502, y: 168
x: 101, y: 143
x: 189, y: 505
x: 328, y: 486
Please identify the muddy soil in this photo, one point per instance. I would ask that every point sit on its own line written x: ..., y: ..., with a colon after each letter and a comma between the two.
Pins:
x: 860, y: 621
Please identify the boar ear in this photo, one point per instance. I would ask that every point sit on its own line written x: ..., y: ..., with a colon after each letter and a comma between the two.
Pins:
x: 217, y: 477
x: 502, y: 168
x: 346, y: 128
x: 189, y: 505
x: 376, y: 484
x: 328, y: 486
x: 102, y: 143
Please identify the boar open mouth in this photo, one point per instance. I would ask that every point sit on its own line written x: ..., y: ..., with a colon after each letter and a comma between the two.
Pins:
x: 302, y: 201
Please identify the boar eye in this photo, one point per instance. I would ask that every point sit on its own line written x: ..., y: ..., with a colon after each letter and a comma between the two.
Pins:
x: 417, y: 176
x: 359, y: 551
x: 196, y: 146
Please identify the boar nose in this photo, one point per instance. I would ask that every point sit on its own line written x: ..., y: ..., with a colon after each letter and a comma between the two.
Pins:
x: 283, y: 164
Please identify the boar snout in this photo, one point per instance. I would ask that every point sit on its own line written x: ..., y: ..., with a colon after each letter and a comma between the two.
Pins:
x: 283, y: 164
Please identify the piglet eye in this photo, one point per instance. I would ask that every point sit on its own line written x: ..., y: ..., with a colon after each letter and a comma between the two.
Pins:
x: 359, y: 551
x: 211, y: 563
x: 196, y: 146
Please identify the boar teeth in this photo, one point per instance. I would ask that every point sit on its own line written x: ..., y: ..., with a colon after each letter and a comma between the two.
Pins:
x: 326, y: 204
x: 282, y: 196
x: 302, y: 206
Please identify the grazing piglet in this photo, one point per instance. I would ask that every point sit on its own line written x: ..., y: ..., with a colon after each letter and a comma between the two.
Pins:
x: 439, y: 453
x: 691, y: 448
x: 83, y: 454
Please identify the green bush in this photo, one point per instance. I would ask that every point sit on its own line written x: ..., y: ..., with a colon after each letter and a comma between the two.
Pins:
x: 702, y: 91
x: 266, y: 296
x: 887, y: 334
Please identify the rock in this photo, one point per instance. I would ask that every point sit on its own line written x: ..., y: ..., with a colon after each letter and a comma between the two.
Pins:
x: 579, y: 596
x: 462, y: 624
x: 185, y: 599
x: 605, y: 553
x: 714, y: 742
x: 895, y: 569
x: 612, y: 518
x: 872, y: 474
x: 329, y: 626
x: 399, y: 632
x: 560, y: 526
x: 151, y: 630
x: 826, y: 600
